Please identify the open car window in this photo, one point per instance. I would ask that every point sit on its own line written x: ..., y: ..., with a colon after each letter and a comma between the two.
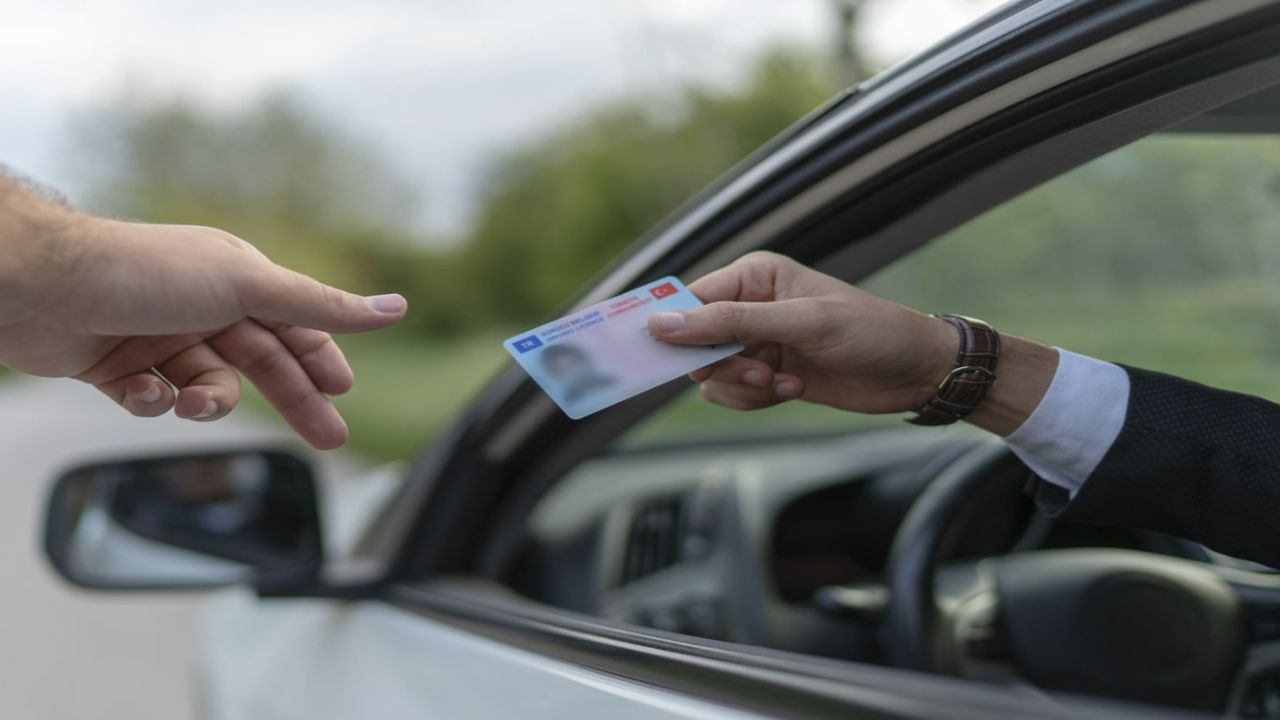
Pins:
x: 1164, y: 254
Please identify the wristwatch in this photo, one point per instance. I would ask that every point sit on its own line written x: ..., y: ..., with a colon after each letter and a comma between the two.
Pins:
x: 965, y: 387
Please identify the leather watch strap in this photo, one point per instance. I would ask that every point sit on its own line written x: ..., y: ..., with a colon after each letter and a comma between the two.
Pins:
x: 965, y: 387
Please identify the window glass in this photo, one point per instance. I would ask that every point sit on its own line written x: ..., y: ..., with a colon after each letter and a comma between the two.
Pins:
x: 1164, y: 254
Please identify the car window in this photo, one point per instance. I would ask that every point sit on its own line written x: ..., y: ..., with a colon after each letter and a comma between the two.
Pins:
x: 1164, y: 254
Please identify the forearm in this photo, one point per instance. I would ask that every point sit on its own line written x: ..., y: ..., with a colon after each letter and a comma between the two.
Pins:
x: 37, y: 235
x: 1192, y: 461
x: 25, y: 213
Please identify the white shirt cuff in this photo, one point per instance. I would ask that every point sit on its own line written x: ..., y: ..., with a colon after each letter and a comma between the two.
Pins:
x: 1075, y: 423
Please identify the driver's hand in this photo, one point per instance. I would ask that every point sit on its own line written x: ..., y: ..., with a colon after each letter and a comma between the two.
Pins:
x: 809, y: 336
x: 164, y: 316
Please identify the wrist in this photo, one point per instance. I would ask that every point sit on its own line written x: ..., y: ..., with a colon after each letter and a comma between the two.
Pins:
x: 998, y: 399
x: 1025, y: 371
x: 938, y: 349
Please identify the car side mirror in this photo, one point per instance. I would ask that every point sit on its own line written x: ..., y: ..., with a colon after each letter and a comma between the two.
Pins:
x: 189, y: 521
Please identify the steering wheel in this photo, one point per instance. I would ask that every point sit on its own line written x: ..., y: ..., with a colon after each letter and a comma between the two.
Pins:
x: 1118, y: 623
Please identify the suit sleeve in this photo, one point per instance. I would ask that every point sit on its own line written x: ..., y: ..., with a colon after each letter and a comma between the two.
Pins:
x: 1190, y: 461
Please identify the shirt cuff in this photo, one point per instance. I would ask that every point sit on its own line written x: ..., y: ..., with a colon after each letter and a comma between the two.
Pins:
x: 1075, y: 423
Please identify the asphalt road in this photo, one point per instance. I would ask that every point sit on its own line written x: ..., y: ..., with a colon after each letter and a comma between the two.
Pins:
x: 68, y: 653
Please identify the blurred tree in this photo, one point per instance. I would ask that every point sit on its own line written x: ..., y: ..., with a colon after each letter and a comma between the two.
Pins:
x: 302, y: 192
x: 305, y: 194
x: 557, y: 210
x: 552, y: 212
x: 1175, y: 209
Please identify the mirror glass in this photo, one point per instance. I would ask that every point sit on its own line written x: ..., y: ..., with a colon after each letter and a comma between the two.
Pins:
x: 185, y: 521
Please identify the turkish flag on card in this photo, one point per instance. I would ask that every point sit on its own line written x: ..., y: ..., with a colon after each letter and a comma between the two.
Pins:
x: 663, y: 290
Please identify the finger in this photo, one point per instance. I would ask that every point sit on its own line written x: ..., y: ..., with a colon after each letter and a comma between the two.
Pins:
x: 143, y: 394
x: 788, y: 386
x: 701, y: 374
x: 284, y: 296
x: 786, y: 322
x: 741, y: 370
x: 263, y: 358
x: 753, y: 278
x: 318, y: 354
x: 208, y: 387
x: 704, y: 373
x: 135, y: 353
x: 739, y: 396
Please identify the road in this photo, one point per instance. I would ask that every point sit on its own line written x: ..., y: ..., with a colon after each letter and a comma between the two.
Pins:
x: 70, y: 653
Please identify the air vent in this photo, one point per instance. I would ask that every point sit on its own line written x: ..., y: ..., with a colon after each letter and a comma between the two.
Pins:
x: 655, y: 540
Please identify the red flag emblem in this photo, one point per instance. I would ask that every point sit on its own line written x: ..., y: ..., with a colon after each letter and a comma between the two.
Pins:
x: 663, y: 290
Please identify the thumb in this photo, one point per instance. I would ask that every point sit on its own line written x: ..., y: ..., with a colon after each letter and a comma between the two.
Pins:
x: 285, y: 296
x: 787, y: 322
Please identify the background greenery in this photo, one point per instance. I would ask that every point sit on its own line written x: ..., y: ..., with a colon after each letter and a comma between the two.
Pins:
x: 552, y: 212
x: 1162, y: 254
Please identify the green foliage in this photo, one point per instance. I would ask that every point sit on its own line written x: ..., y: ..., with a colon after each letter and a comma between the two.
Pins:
x: 409, y: 389
x: 1161, y: 254
x: 557, y: 211
x: 1137, y: 256
x: 304, y: 194
x: 552, y: 213
x: 1170, y: 211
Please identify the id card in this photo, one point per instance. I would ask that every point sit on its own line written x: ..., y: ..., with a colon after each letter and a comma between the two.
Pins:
x: 603, y: 354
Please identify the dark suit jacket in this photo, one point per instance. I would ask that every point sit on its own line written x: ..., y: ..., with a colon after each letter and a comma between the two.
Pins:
x: 1190, y: 461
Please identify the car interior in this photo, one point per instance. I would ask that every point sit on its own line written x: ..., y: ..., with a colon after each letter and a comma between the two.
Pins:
x: 804, y: 529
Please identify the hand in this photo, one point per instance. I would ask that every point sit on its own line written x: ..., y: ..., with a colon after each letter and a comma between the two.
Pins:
x: 809, y: 336
x: 165, y: 316
x: 813, y: 337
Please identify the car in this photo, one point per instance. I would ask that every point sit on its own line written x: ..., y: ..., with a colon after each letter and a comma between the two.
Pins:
x: 1101, y: 174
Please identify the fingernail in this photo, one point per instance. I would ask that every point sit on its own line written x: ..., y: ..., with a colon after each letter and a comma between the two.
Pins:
x: 753, y: 377
x: 668, y: 321
x: 210, y: 409
x: 390, y: 304
x: 150, y: 395
x: 787, y: 389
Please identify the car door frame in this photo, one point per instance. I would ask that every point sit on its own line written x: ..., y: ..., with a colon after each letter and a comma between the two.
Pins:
x: 835, y: 190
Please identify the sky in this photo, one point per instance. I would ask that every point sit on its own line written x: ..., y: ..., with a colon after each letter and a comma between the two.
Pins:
x: 435, y: 86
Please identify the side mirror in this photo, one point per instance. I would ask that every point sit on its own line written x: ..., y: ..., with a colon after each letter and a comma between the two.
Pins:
x: 191, y: 521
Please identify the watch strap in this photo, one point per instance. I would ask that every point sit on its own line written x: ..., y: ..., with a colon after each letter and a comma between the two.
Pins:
x: 966, y: 386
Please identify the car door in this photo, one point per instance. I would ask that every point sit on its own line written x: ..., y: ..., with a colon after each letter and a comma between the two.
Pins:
x: 430, y: 628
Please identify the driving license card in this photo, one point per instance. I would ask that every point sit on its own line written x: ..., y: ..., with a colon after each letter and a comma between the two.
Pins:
x: 603, y: 354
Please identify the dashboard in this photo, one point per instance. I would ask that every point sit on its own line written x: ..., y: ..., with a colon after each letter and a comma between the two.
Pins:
x: 738, y: 541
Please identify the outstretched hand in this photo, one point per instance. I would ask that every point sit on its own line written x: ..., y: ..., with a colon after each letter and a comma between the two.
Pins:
x: 162, y: 317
